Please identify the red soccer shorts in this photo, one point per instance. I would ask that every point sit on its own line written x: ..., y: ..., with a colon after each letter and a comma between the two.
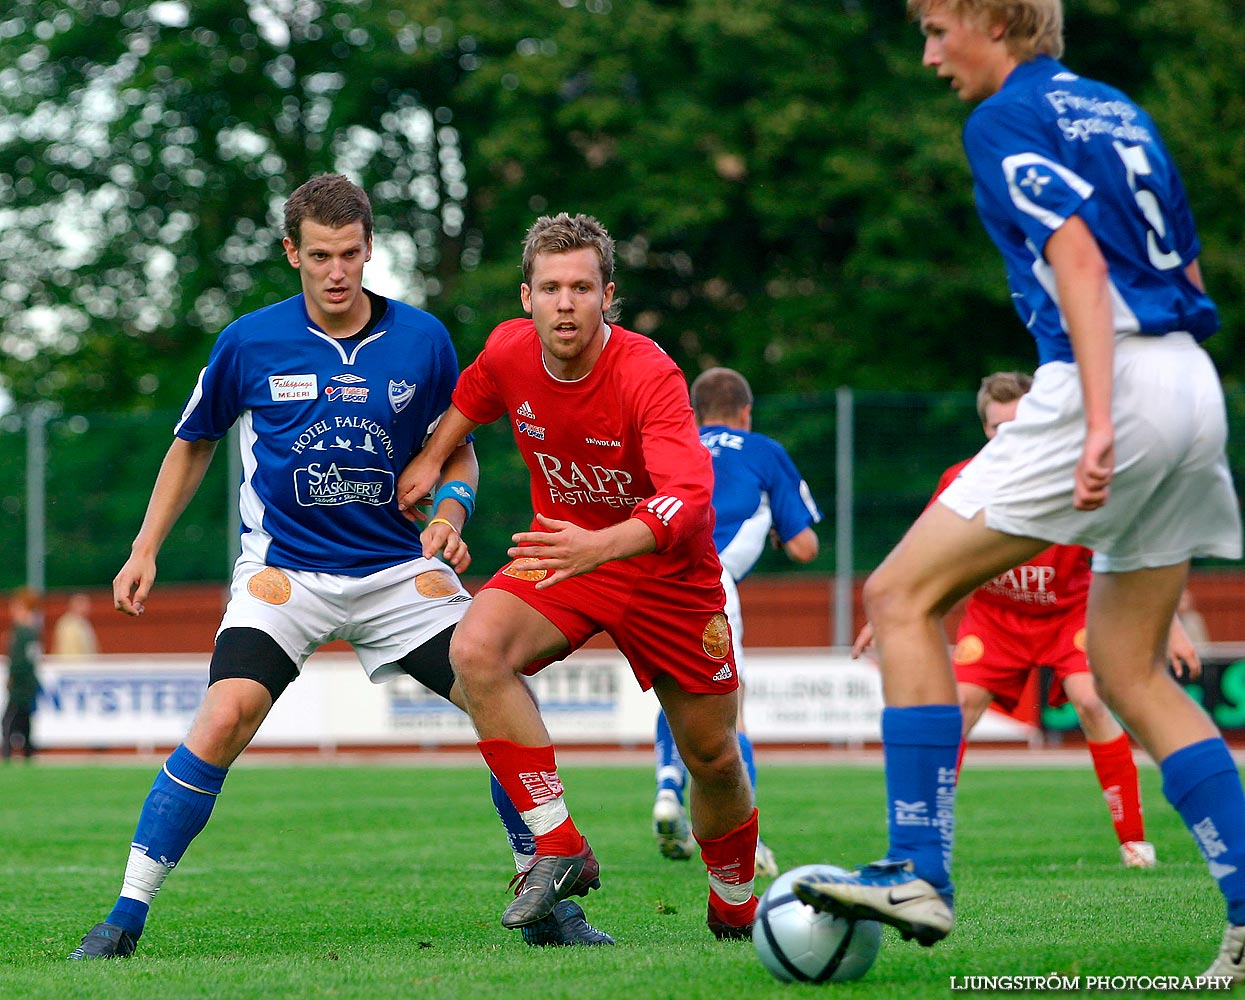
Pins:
x: 998, y: 649
x: 661, y: 626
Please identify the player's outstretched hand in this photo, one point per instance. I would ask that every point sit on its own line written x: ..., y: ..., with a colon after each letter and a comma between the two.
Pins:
x: 864, y: 640
x: 440, y: 537
x: 415, y: 486
x: 131, y: 586
x: 1182, y: 654
x: 1095, y: 470
x: 563, y: 549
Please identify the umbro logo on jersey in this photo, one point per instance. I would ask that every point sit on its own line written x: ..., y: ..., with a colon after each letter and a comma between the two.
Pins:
x: 725, y: 674
x: 525, y: 411
x: 348, y: 378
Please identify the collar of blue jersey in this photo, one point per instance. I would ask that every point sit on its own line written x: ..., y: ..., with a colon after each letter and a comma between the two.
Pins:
x: 1038, y: 66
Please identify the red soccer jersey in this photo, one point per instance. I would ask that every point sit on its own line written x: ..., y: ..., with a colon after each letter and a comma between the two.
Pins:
x: 1056, y: 580
x: 620, y: 442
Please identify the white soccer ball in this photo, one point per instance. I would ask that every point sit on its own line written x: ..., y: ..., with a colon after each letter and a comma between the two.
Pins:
x: 798, y: 944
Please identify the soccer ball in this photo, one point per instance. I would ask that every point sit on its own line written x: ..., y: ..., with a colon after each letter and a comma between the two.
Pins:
x: 798, y: 944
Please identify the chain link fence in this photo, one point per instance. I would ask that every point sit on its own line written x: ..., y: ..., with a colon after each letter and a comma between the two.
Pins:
x: 71, y: 526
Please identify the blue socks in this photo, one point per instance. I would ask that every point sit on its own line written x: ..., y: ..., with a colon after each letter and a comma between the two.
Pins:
x: 921, y: 744
x: 176, y: 809
x: 1203, y: 785
x: 522, y: 840
x: 750, y: 764
x: 671, y: 774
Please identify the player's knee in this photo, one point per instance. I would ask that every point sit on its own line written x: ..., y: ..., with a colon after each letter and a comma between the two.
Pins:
x: 475, y: 656
x: 714, y: 763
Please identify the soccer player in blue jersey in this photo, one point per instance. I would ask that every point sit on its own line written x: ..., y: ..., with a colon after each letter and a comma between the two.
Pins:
x: 335, y: 389
x: 1119, y: 446
x: 757, y: 492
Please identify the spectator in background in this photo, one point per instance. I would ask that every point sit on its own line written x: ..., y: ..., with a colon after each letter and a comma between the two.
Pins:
x: 23, y: 683
x: 73, y: 634
x: 757, y: 493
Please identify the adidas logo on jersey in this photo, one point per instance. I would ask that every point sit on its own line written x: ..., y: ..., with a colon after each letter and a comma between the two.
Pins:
x: 664, y: 507
x: 725, y: 674
x: 525, y: 411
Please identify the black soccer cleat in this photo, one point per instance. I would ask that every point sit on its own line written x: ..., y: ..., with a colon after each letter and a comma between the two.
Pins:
x: 549, y: 881
x: 724, y: 931
x: 565, y: 925
x: 105, y: 941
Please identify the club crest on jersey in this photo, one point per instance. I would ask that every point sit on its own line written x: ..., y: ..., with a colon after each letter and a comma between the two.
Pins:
x: 400, y: 394
x: 286, y: 388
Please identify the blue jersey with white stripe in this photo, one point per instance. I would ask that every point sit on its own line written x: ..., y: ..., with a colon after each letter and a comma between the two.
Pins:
x: 755, y: 486
x: 326, y: 428
x: 1051, y: 144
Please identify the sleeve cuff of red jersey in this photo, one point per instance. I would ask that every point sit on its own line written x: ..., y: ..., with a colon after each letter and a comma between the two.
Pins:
x: 661, y: 530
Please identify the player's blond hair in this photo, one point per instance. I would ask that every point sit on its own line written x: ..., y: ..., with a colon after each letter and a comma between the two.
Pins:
x: 331, y: 200
x: 563, y: 233
x: 1002, y: 387
x: 719, y: 393
x: 1030, y: 27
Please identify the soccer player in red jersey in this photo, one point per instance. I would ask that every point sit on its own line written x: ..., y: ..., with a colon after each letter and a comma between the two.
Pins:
x: 621, y: 543
x: 1033, y: 616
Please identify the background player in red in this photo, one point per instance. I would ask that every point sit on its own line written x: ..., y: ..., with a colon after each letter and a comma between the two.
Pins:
x: 1033, y: 616
x: 622, y: 543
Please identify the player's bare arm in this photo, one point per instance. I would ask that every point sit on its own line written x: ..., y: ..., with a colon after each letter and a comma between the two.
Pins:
x: 443, y: 532
x: 181, y: 472
x: 567, y: 550
x: 1081, y: 279
x: 424, y: 471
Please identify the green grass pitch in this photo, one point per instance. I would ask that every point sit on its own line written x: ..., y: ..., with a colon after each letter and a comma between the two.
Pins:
x: 368, y: 880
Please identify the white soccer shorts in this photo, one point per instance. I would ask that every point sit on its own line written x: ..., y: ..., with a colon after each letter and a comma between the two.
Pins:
x: 1172, y: 496
x: 383, y: 616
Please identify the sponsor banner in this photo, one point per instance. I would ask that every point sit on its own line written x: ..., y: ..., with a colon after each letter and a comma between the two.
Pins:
x: 1220, y: 690
x: 817, y: 696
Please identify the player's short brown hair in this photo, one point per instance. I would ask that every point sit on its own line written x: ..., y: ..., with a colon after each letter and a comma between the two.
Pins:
x: 563, y: 233
x: 1030, y: 27
x: 719, y: 393
x: 1002, y: 387
x: 331, y: 200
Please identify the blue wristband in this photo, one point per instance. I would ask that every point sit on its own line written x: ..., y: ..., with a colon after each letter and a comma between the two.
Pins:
x: 456, y: 490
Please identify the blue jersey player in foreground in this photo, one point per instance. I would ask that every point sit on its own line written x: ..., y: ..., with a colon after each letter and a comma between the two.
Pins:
x: 757, y: 491
x: 1119, y: 446
x: 335, y: 389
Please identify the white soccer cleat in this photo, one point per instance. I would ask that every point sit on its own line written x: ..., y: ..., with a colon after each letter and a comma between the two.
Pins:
x: 887, y: 891
x: 1230, y: 962
x: 766, y: 863
x: 1138, y: 854
x: 671, y: 828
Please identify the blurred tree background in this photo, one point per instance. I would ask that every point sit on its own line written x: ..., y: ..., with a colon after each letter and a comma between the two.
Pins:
x: 785, y: 182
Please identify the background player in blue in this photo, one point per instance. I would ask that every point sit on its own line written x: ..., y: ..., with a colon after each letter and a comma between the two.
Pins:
x: 1119, y: 446
x: 757, y: 491
x: 335, y: 389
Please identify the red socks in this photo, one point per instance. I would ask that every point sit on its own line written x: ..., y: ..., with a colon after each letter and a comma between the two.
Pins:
x: 529, y: 776
x: 731, y: 860
x: 1117, y: 773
